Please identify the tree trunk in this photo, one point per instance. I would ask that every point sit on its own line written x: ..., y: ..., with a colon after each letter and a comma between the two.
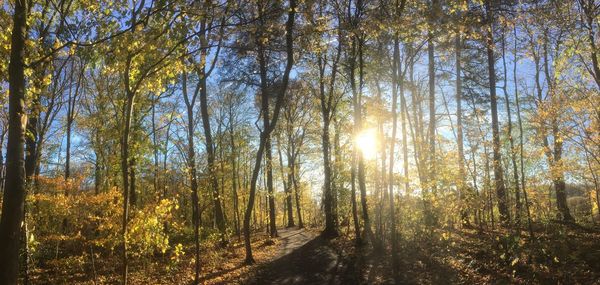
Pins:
x: 397, y: 80
x: 520, y: 123
x: 210, y: 153
x: 68, y: 148
x: 432, y: 118
x: 513, y: 155
x: 462, y: 187
x: 191, y: 160
x: 125, y: 176
x: 132, y: 177
x: 265, y: 133
x: 331, y: 227
x: 497, y: 158
x: 286, y: 180
x: 327, y: 106
x: 13, y: 202
x: 295, y: 177
x: 154, y: 148
x: 288, y: 194
x: 235, y: 177
x: 269, y: 172
x: 559, y: 179
x: 590, y: 10
x: 72, y: 104
x: 357, y: 102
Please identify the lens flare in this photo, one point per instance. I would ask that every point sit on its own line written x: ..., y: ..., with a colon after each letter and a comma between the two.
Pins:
x: 366, y: 141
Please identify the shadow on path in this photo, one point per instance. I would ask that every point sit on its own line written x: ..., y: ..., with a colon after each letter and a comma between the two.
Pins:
x: 315, y: 262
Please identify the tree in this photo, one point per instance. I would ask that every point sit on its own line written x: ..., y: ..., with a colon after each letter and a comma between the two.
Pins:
x: 327, y: 59
x: 589, y: 11
x: 72, y: 100
x: 356, y: 63
x: 203, y: 73
x: 297, y: 116
x: 14, y: 193
x: 497, y: 160
x: 546, y: 45
x: 513, y: 156
x: 139, y: 64
x: 191, y: 159
x: 268, y: 124
x: 433, y: 11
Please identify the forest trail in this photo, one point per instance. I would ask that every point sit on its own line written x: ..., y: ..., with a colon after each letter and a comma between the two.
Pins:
x: 306, y: 258
x: 291, y: 239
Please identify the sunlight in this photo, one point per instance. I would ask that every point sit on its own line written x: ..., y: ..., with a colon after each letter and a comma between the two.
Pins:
x: 366, y: 141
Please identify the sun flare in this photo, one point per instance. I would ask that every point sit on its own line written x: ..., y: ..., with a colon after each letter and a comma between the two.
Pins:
x: 366, y: 141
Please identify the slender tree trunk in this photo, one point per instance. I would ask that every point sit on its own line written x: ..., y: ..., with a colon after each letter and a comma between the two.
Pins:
x: 403, y: 120
x: 68, y: 148
x: 70, y: 119
x: 235, y: 174
x: 71, y: 111
x: 191, y: 160
x: 432, y: 118
x: 267, y: 129
x: 269, y: 172
x: 164, y: 162
x: 355, y: 150
x: 326, y: 103
x: 221, y: 174
x: 361, y: 160
x: 154, y: 148
x: 520, y: 124
x: 132, y: 176
x: 462, y: 188
x: 355, y: 219
x: 295, y: 177
x: 210, y: 154
x: 381, y: 190
x: 488, y: 185
x: 497, y: 158
x: 288, y: 195
x: 397, y: 80
x: 97, y: 172
x: 125, y: 176
x: 286, y: 180
x: 513, y: 154
x: 489, y: 207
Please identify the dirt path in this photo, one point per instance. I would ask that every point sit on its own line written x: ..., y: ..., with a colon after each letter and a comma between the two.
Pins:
x: 291, y: 239
x: 306, y: 259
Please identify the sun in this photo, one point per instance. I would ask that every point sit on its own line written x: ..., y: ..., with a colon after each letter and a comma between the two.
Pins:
x: 366, y: 141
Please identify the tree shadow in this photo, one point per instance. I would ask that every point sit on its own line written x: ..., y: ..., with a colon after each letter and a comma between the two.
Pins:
x: 219, y: 273
x: 316, y: 262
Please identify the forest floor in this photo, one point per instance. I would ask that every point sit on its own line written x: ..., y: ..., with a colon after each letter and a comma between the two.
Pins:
x: 218, y: 266
x: 558, y: 255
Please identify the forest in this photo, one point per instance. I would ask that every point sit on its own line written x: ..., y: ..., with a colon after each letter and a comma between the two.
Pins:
x: 299, y: 142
